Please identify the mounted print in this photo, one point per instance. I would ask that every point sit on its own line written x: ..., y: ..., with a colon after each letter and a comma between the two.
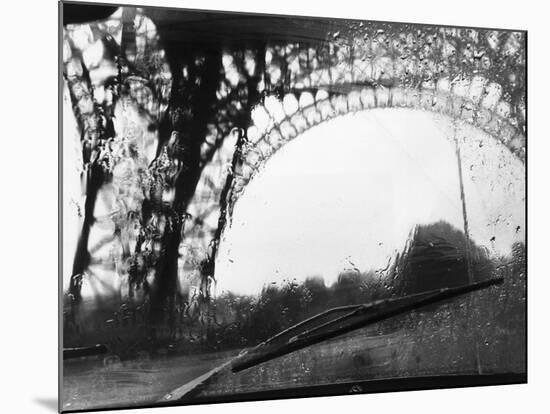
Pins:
x: 259, y: 206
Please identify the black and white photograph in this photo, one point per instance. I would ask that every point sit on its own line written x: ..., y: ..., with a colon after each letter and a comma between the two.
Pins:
x: 263, y: 206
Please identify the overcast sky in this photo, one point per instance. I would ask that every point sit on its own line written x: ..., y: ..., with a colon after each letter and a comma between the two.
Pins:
x: 348, y: 192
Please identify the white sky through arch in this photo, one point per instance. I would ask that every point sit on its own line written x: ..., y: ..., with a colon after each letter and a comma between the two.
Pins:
x: 350, y: 190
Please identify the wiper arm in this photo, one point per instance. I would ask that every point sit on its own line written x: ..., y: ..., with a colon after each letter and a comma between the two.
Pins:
x: 355, y: 317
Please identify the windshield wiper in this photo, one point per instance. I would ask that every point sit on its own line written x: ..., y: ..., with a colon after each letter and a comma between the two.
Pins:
x: 85, y: 351
x: 326, y: 325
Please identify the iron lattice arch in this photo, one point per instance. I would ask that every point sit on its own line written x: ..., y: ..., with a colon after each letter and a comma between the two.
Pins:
x: 373, y: 66
x: 472, y: 100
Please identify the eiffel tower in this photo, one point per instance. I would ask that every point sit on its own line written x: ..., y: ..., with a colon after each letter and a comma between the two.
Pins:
x: 176, y: 111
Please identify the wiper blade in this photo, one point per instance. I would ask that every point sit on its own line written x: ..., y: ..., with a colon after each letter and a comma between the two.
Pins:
x: 354, y: 317
x: 86, y: 351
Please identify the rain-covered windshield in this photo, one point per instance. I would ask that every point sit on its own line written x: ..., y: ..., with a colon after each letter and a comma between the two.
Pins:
x: 227, y: 177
